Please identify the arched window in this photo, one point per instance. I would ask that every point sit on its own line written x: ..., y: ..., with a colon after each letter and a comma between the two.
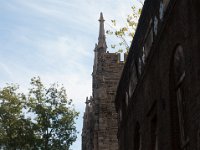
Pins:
x: 132, y: 80
x: 179, y: 76
x: 179, y: 65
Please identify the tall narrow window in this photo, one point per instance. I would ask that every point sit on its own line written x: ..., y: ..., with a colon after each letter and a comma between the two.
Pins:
x: 127, y: 99
x: 165, y: 3
x: 133, y: 80
x: 120, y: 115
x: 154, y: 137
x: 179, y: 76
x: 137, y: 138
x: 148, y: 40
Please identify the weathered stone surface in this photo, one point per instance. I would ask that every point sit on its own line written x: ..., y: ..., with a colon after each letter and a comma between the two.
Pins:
x: 100, y: 117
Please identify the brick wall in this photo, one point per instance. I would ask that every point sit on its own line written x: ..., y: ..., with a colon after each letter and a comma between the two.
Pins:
x: 153, y: 115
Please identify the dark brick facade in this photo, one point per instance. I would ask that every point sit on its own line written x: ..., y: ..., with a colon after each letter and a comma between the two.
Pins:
x: 158, y: 97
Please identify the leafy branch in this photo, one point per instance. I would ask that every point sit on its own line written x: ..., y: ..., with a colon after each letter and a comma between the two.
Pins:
x: 125, y: 33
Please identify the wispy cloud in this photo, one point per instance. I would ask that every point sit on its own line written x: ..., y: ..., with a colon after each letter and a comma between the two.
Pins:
x: 6, y: 72
x: 55, y: 40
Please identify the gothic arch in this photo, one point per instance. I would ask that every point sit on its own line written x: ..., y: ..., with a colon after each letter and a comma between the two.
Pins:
x: 132, y: 80
x: 177, y: 76
x: 178, y: 65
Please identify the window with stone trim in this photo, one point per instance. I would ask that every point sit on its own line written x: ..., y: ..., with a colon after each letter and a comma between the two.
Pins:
x: 137, y: 138
x: 120, y: 115
x: 140, y: 65
x: 179, y: 76
x: 132, y: 80
x: 127, y: 99
x: 165, y: 4
x: 163, y: 7
x: 148, y: 40
x: 154, y: 134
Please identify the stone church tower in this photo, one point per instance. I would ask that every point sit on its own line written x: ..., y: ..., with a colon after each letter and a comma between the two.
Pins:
x: 100, y: 117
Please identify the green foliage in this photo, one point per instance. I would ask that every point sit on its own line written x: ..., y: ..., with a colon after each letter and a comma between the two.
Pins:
x: 15, y: 130
x: 51, y: 121
x: 126, y: 32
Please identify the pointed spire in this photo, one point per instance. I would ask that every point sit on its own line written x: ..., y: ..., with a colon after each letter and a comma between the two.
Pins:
x: 102, y: 38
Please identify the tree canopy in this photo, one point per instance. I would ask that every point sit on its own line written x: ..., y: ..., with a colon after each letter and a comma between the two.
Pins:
x: 42, y: 119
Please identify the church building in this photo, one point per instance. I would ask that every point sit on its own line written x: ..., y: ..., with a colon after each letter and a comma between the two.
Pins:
x: 158, y: 97
x: 100, y: 117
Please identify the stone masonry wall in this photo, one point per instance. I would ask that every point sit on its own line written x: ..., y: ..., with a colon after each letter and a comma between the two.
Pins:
x: 100, y: 117
x: 108, y: 79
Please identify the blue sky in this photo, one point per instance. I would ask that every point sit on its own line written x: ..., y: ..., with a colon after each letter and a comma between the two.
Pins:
x: 54, y: 39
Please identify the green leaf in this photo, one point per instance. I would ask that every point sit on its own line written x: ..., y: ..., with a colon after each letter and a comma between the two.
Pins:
x: 126, y: 31
x: 52, y: 120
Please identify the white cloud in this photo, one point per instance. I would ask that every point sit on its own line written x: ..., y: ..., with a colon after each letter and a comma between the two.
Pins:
x: 55, y: 40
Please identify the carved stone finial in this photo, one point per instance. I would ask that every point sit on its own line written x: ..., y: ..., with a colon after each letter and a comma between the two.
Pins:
x: 102, y: 38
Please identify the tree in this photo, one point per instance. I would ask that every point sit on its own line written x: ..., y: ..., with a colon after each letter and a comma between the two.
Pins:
x: 125, y: 33
x: 44, y: 119
x: 15, y: 131
x: 55, y: 121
